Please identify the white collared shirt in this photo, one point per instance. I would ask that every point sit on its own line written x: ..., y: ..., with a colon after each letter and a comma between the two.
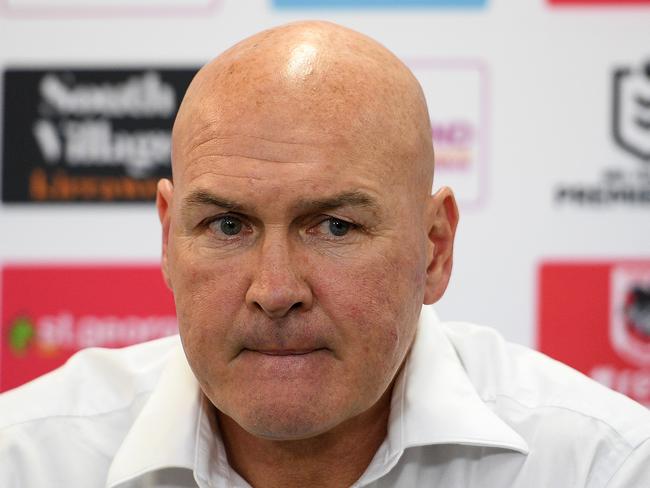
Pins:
x: 468, y: 410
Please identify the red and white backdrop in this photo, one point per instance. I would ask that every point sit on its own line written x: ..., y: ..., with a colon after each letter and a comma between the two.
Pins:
x: 541, y: 121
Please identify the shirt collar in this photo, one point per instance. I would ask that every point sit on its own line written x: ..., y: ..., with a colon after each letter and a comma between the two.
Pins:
x: 174, y: 429
x: 434, y: 401
x: 164, y: 434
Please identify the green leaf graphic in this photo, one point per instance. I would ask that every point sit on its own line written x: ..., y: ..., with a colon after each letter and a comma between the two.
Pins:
x: 20, y: 334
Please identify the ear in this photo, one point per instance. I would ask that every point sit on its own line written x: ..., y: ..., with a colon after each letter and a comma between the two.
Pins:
x: 164, y: 195
x: 442, y: 220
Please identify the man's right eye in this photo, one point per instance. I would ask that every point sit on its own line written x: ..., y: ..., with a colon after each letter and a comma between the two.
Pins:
x: 227, y: 225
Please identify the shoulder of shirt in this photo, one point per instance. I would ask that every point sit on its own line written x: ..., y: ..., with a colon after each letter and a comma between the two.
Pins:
x: 94, y: 381
x: 502, y: 371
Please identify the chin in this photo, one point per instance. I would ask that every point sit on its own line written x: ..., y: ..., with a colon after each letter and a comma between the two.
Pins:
x: 283, y: 422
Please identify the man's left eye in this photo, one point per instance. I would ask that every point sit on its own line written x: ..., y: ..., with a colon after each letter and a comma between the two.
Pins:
x: 227, y: 225
x: 335, y: 227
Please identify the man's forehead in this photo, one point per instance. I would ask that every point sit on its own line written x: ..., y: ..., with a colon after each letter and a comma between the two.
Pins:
x: 320, y: 94
x: 264, y: 140
x: 270, y: 151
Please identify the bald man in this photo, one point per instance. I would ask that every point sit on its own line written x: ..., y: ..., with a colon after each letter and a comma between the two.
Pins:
x: 301, y: 240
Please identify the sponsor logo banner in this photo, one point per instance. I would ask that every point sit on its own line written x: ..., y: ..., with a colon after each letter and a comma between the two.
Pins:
x: 104, y: 3
x: 596, y: 318
x: 50, y: 312
x: 120, y: 7
x: 377, y: 3
x: 88, y: 135
x: 456, y: 93
x: 628, y: 182
x: 600, y: 2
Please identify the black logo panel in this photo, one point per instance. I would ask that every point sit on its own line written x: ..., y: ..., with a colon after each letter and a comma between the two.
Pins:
x: 95, y: 135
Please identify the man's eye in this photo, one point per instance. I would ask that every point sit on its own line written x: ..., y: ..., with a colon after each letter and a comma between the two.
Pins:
x: 228, y: 225
x: 335, y: 227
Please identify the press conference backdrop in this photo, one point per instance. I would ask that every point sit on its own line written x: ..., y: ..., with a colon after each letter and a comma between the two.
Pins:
x: 541, y: 123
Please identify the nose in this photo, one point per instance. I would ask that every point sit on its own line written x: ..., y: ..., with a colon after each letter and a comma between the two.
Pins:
x: 277, y: 286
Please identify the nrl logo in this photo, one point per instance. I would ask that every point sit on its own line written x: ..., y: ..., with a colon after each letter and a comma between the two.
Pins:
x: 631, y: 117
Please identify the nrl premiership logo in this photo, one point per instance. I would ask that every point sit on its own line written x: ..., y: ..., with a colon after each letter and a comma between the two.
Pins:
x: 621, y: 184
x: 630, y: 313
x: 631, y: 117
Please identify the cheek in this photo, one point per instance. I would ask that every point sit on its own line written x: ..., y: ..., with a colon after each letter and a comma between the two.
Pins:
x: 202, y: 281
x: 378, y: 298
x: 208, y: 294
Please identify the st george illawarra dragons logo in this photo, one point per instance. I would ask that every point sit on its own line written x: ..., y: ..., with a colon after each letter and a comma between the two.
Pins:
x: 630, y: 313
x: 637, y: 311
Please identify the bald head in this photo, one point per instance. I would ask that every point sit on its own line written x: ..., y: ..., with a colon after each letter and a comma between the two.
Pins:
x: 319, y: 79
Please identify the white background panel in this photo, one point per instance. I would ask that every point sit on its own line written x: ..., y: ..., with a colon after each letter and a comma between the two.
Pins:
x: 547, y: 75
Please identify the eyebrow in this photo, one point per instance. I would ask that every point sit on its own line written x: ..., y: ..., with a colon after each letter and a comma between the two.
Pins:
x: 199, y: 198
x: 345, y: 199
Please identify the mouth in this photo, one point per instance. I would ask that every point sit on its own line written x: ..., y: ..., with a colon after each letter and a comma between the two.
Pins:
x: 285, y: 352
x: 295, y: 363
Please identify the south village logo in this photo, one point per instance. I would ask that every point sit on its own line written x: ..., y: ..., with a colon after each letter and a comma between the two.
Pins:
x: 627, y: 184
x: 88, y: 135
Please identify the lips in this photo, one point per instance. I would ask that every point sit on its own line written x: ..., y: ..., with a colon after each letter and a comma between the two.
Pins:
x: 286, y: 352
x: 284, y: 364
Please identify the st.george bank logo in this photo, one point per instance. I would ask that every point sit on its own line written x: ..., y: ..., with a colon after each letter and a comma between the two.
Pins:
x: 596, y: 318
x: 50, y: 312
x: 377, y: 3
x: 457, y: 97
x: 88, y: 135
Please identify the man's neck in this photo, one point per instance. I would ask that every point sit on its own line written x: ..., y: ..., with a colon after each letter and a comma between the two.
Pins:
x: 336, y: 458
